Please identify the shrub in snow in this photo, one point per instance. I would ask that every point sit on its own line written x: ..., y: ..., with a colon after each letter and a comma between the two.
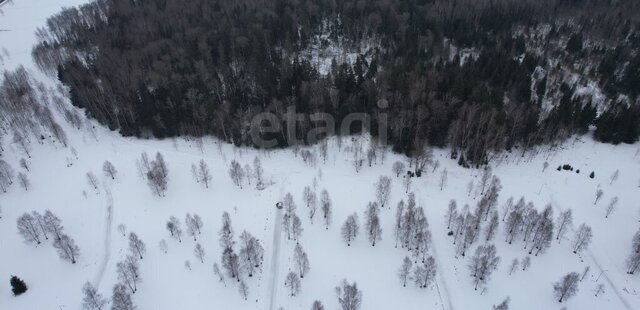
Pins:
x: 17, y: 286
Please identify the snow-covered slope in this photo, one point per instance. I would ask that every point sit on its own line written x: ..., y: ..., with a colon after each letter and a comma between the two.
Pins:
x: 91, y: 217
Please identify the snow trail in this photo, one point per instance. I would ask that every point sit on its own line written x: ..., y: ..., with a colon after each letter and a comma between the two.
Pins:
x: 107, y: 239
x: 595, y: 260
x: 441, y: 281
x: 275, y: 259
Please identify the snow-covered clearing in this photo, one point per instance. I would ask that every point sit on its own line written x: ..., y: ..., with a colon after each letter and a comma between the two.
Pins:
x: 91, y: 220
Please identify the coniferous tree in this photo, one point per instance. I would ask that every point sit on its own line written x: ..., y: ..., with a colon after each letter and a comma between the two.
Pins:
x: 18, y: 286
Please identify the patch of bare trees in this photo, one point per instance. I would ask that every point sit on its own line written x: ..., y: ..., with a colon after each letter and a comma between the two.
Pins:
x: 484, y: 261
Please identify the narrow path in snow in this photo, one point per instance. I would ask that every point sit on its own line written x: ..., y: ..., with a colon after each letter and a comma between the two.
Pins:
x: 441, y: 283
x: 606, y: 277
x: 595, y: 260
x: 275, y: 260
x: 107, y: 239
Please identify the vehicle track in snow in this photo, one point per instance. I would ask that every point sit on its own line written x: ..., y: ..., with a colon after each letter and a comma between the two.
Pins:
x: 596, y: 261
x: 107, y: 239
x: 275, y: 260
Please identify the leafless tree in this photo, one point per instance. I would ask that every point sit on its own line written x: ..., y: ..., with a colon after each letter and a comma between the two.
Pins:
x: 543, y: 232
x: 566, y: 287
x: 615, y: 176
x: 504, y: 305
x: 231, y: 263
x: 204, y: 175
x: 199, y: 252
x: 42, y: 225
x: 251, y: 252
x: 129, y: 272
x: 484, y: 179
x: 24, y: 164
x: 506, y: 208
x: 398, y: 168
x: 349, y: 296
x: 136, y: 245
x: 28, y: 228
x: 514, y: 221
x: 92, y: 180
x: 236, y: 173
x: 483, y: 263
x: 372, y: 224
x: 582, y: 238
x: 24, y: 182
x: 122, y: 229
x: 67, y: 248
x: 317, y: 305
x: 192, y: 229
x: 301, y: 260
x: 157, y: 175
x: 545, y: 166
x: 435, y: 165
x: 326, y: 206
x: 243, y: 289
x: 226, y: 232
x: 407, y: 183
x: 248, y: 173
x: 383, y: 190
x: 217, y: 272
x: 6, y: 176
x: 469, y: 188
x: 258, y: 172
x: 53, y: 224
x: 514, y: 265
x: 292, y: 281
x: 452, y: 213
x: 565, y: 219
x: 121, y: 299
x: 398, y: 227
x: 310, y: 199
x: 443, y: 179
x: 611, y: 206
x: 598, y: 196
x: 163, y: 246
x: 173, y: 226
x: 22, y: 143
x: 187, y: 264
x: 350, y: 229
x: 599, y: 289
x: 425, y: 273
x: 92, y: 300
x: 405, y: 269
x: 526, y: 263
x: 109, y: 170
x: 423, y: 158
x: 296, y: 227
x: 492, y: 226
x: 585, y: 272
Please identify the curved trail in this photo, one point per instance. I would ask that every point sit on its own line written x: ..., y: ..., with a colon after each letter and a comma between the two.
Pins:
x: 107, y: 239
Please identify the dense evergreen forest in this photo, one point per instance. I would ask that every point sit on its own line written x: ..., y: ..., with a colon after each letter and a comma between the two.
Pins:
x: 163, y: 68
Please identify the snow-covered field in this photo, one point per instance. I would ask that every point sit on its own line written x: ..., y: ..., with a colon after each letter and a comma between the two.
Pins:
x: 91, y: 217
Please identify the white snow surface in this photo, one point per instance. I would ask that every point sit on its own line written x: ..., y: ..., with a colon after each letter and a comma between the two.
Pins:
x: 92, y: 219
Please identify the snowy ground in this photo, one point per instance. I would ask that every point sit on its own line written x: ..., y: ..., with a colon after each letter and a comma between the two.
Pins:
x: 92, y: 219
